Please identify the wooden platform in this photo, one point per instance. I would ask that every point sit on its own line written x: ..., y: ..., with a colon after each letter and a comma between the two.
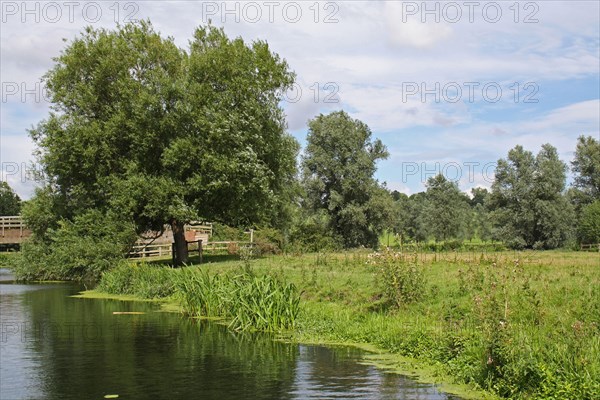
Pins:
x: 13, y: 230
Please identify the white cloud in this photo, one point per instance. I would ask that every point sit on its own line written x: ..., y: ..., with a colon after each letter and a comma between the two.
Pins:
x: 411, y: 32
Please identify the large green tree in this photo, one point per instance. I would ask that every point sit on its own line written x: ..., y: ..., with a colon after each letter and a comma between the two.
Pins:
x: 10, y: 202
x: 446, y: 209
x: 529, y: 206
x: 162, y: 135
x: 338, y: 175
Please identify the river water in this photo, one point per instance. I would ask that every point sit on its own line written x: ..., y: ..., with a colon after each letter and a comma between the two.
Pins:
x: 53, y: 346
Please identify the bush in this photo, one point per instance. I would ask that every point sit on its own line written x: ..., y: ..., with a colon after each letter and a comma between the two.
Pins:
x: 268, y: 241
x: 402, y: 281
x: 312, y: 234
x: 81, y: 249
x: 227, y: 233
x: 141, y: 280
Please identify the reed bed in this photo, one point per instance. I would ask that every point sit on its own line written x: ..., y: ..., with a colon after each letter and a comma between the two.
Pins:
x: 248, y: 301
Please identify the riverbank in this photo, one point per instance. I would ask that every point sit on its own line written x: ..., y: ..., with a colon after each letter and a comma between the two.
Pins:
x: 513, y: 324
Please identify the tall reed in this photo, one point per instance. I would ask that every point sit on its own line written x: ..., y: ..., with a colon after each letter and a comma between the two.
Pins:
x: 250, y: 302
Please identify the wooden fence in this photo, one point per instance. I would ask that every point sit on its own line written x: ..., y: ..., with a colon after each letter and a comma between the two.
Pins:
x: 590, y: 247
x: 166, y: 249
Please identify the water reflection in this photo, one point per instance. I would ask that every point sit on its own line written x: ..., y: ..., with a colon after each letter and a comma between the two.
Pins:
x: 57, y: 347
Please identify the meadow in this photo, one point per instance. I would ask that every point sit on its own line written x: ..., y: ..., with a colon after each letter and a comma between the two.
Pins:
x: 505, y: 324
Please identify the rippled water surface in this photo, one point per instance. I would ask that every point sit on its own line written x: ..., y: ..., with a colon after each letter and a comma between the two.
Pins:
x: 53, y: 346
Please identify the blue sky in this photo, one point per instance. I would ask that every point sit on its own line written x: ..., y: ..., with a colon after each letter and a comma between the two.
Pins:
x: 372, y: 59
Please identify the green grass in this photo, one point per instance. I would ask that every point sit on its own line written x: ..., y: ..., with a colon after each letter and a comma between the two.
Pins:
x: 516, y: 324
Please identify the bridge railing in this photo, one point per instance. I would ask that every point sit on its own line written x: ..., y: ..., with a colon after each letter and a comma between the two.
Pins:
x: 11, y: 223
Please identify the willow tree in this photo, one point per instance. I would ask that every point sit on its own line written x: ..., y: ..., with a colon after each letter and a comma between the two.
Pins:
x: 529, y: 207
x: 338, y: 175
x: 446, y: 210
x: 164, y: 135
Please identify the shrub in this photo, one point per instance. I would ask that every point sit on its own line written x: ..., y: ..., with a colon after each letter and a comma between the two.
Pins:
x: 141, y: 280
x: 312, y: 234
x: 268, y: 241
x: 81, y: 249
x: 233, y: 248
x: 402, y: 281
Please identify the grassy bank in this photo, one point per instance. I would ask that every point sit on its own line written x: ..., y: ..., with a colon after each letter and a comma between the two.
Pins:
x: 519, y: 325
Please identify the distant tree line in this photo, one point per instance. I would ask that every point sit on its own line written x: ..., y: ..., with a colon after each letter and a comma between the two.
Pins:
x: 529, y: 205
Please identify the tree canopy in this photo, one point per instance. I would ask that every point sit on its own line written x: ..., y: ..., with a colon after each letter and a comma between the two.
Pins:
x: 338, y: 175
x: 586, y: 170
x: 10, y: 202
x: 528, y: 201
x: 164, y: 135
x: 589, y: 225
x: 446, y: 209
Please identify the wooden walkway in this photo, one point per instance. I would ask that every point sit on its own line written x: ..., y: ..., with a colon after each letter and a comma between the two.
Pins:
x: 13, y: 230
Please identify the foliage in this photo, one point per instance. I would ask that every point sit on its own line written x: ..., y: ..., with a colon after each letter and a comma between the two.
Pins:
x: 589, y: 225
x: 479, y: 196
x: 268, y: 241
x: 311, y: 233
x: 529, y: 207
x: 141, y: 280
x: 482, y: 222
x: 402, y: 281
x: 81, y: 249
x: 400, y: 214
x: 586, y: 167
x: 165, y: 135
x: 248, y: 301
x: 10, y: 202
x: 338, y: 167
x: 446, y: 209
x: 43, y: 212
x: 223, y: 233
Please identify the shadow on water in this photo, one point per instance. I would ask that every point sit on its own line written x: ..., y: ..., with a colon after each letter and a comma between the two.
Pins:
x: 57, y: 347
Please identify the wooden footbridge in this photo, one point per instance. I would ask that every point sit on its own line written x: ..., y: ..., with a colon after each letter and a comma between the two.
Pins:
x: 13, y: 231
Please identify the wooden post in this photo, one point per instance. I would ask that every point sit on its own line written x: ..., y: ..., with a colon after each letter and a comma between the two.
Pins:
x: 200, y: 249
x: 173, y: 254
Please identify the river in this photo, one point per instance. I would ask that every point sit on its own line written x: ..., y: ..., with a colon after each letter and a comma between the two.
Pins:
x: 54, y: 346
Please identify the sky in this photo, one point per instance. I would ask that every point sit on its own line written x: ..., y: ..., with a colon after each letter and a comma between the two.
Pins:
x: 448, y: 87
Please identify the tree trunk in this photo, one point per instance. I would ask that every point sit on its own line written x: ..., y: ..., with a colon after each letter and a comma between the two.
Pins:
x: 181, y: 249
